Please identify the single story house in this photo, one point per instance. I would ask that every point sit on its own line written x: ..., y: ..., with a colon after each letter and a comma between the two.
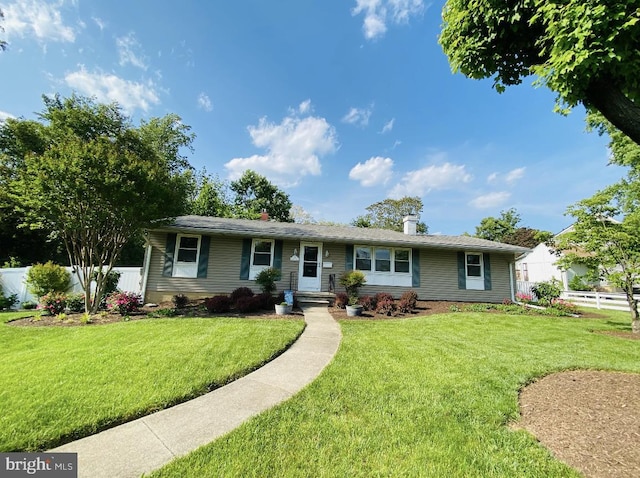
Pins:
x: 204, y: 256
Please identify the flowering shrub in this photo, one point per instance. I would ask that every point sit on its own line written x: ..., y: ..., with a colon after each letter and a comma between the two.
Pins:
x: 124, y: 302
x: 75, y: 302
x: 522, y: 297
x: 564, y: 306
x: 53, y: 302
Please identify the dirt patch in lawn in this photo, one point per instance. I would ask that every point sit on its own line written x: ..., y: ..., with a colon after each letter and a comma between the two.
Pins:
x: 588, y: 419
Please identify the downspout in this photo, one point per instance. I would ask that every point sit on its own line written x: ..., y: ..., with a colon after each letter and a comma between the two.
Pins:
x: 511, y: 282
x: 146, y: 265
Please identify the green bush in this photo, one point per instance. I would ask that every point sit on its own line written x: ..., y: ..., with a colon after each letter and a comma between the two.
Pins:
x: 267, y: 278
x: 547, y: 291
x: 352, y: 281
x: 75, y: 302
x: 110, y: 285
x: 45, y: 278
x: 577, y: 283
x: 180, y: 301
x: 7, y: 302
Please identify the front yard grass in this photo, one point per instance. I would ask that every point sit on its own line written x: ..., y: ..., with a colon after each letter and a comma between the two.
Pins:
x: 62, y: 383
x: 430, y: 396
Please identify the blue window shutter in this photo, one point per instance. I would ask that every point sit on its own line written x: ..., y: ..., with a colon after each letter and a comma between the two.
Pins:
x: 487, y: 271
x: 169, y: 252
x: 415, y: 264
x: 203, y: 261
x: 348, y: 258
x: 245, y: 259
x: 462, y: 271
x: 277, y: 255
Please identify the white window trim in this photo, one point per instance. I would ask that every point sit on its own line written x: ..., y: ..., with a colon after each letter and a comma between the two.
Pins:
x: 253, y: 269
x: 186, y: 269
x: 391, y: 278
x: 474, y: 282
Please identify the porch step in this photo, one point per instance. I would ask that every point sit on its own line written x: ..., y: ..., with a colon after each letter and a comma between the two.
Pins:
x: 315, y: 297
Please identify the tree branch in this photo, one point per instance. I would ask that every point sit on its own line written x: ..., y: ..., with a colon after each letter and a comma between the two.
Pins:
x: 605, y: 96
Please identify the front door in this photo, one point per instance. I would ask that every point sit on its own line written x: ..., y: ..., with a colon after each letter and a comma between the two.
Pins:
x: 310, y: 273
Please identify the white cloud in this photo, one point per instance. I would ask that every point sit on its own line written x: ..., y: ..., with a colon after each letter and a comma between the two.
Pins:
x: 305, y: 107
x: 378, y: 13
x: 204, y: 102
x: 41, y: 19
x: 293, y: 149
x: 4, y: 116
x: 358, y: 116
x: 388, y: 126
x: 107, y: 88
x: 490, y: 200
x: 128, y: 48
x: 100, y: 22
x: 514, y: 175
x: 421, y: 181
x: 492, y: 178
x: 374, y: 171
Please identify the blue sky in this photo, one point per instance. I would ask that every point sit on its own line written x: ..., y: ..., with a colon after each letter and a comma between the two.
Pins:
x: 341, y: 103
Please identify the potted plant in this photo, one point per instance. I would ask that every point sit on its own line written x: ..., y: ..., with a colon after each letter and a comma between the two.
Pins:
x: 283, y: 308
x: 352, y: 281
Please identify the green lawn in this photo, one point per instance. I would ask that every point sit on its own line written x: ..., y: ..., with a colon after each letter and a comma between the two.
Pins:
x: 430, y: 396
x: 61, y: 383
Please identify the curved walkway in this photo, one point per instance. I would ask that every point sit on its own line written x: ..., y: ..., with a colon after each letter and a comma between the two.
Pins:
x: 150, y: 442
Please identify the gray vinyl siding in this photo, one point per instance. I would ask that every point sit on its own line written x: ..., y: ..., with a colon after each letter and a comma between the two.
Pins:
x: 438, y: 273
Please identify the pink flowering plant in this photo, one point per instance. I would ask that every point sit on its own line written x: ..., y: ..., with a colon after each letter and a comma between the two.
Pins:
x: 124, y: 303
x: 564, y: 306
x: 54, y: 303
x: 523, y: 297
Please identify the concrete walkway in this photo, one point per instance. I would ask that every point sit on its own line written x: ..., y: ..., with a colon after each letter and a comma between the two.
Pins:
x: 150, y: 442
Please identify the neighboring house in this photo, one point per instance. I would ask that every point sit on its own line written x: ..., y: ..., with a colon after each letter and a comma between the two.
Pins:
x: 539, y: 265
x: 205, y: 256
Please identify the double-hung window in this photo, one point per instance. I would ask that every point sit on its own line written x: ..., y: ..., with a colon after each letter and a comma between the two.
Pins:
x: 261, y: 256
x: 186, y: 256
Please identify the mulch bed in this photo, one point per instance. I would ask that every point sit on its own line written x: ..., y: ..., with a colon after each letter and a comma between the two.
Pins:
x: 588, y: 419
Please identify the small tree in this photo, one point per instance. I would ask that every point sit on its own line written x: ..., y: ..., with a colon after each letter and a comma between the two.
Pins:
x: 601, y: 241
x: 352, y: 281
x: 267, y: 278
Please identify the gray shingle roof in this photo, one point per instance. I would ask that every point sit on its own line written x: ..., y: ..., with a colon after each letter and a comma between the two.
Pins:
x: 325, y: 233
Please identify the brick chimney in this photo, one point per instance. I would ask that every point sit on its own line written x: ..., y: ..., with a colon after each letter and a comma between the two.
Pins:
x: 264, y: 216
x: 410, y: 225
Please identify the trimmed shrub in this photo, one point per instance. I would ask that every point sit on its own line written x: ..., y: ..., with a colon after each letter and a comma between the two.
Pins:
x: 180, y: 301
x: 381, y: 296
x: 342, y: 300
x: 368, y: 302
x: 75, y: 302
x: 124, y: 302
x: 6, y: 302
x: 54, y: 303
x: 406, y: 305
x: 29, y: 305
x: 265, y: 300
x: 409, y: 299
x: 245, y: 305
x: 386, y: 306
x: 239, y: 293
x: 218, y: 304
x: 45, y: 278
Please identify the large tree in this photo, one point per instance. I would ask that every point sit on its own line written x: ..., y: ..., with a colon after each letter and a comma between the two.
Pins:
x: 254, y: 194
x: 209, y: 196
x: 389, y: 214
x: 605, y: 237
x: 505, y: 229
x: 86, y: 173
x: 586, y: 51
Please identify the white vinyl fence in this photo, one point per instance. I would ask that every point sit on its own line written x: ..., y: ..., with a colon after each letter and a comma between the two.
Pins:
x: 13, y: 281
x: 599, y: 300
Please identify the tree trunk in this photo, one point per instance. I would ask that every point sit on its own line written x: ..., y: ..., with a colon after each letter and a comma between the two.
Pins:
x: 635, y: 319
x: 605, y: 96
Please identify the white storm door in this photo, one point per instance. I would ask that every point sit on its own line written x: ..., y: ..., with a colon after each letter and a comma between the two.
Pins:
x: 310, y: 273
